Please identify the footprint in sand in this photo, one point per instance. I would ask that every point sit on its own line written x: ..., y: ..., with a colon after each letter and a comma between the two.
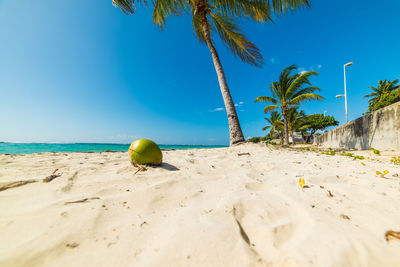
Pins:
x: 256, y: 187
x: 70, y: 182
x: 269, y: 223
x: 283, y: 233
x: 128, y: 169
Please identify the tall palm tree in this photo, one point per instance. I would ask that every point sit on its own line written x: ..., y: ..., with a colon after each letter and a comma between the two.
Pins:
x: 210, y: 16
x: 275, y: 123
x: 289, y: 91
x: 385, y: 86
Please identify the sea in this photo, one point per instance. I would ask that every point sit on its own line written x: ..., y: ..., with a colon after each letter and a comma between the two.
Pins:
x: 30, y: 148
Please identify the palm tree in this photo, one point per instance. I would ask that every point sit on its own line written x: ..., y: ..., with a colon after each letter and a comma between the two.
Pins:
x: 210, y: 16
x: 296, y: 122
x: 275, y: 123
x: 385, y: 86
x: 290, y: 91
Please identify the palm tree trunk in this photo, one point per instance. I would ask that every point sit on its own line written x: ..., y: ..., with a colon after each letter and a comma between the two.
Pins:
x: 304, y: 137
x: 235, y: 131
x: 293, y: 141
x: 286, y: 143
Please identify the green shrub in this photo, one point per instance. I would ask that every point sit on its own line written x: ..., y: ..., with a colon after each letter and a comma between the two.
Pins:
x: 303, y: 148
x: 395, y: 160
x: 376, y: 151
x: 254, y: 139
x: 347, y: 154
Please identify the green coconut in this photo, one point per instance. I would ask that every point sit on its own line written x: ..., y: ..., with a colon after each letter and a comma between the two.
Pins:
x: 145, y: 152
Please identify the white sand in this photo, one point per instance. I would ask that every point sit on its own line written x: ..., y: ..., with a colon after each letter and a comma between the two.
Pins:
x: 207, y: 207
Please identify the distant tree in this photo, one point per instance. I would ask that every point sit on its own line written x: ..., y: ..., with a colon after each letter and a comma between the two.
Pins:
x: 275, y: 124
x: 256, y: 139
x: 296, y: 122
x: 219, y: 17
x: 316, y: 122
x: 383, y: 95
x: 384, y: 101
x: 289, y: 91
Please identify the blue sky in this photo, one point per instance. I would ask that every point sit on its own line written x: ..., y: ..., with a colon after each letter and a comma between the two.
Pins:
x: 82, y: 71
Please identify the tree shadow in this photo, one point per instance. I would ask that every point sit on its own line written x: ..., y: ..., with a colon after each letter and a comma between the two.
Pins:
x: 169, y: 167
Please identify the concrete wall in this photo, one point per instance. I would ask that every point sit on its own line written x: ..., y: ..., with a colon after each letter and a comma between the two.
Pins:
x: 380, y: 130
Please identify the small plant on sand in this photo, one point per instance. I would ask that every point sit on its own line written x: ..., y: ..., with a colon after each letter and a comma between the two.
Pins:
x: 382, y: 174
x: 395, y: 161
x: 303, y: 148
x: 376, y: 151
x: 351, y: 155
x: 330, y: 153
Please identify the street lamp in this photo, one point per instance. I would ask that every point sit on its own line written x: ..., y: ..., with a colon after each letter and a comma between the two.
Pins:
x: 345, y: 89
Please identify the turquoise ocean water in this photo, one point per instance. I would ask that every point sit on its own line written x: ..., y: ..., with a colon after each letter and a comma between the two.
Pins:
x: 29, y: 148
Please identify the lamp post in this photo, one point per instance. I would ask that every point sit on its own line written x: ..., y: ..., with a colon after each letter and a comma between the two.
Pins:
x: 345, y: 88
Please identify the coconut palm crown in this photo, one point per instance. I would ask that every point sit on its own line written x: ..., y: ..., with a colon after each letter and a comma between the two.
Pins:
x: 219, y: 16
x: 289, y: 91
x: 385, y: 86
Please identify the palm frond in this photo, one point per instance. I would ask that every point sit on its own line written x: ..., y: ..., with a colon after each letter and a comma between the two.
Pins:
x: 270, y: 107
x: 304, y: 98
x: 127, y: 6
x: 282, y: 6
x: 197, y: 28
x: 298, y: 82
x: 235, y: 40
x: 286, y: 72
x: 165, y: 8
x: 310, y: 89
x: 258, y: 10
x: 275, y: 90
x: 266, y: 127
x: 266, y: 99
x: 372, y: 94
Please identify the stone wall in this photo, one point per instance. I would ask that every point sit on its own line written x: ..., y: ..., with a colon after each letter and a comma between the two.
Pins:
x: 380, y: 130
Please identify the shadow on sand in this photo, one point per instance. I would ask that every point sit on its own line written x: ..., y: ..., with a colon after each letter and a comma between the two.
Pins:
x: 168, y: 167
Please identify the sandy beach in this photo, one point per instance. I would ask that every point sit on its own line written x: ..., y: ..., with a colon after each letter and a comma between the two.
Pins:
x: 203, y: 207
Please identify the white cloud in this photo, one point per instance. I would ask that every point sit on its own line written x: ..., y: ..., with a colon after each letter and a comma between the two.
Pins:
x: 217, y: 109
x: 312, y: 68
x: 221, y: 108
x: 274, y: 60
x: 302, y: 70
x: 240, y: 104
